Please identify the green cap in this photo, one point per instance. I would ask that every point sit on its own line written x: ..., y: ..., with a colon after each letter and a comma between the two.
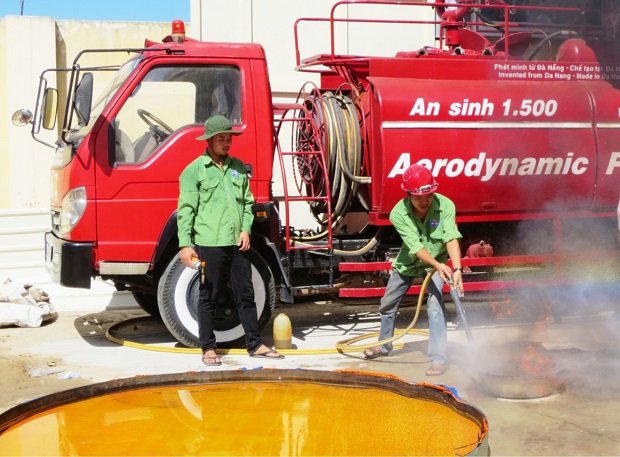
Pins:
x: 215, y: 125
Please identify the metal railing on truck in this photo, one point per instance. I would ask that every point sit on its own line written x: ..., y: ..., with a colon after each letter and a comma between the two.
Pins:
x: 504, y: 31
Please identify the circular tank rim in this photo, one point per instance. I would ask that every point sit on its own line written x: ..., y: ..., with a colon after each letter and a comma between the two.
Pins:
x: 390, y: 383
x: 430, y: 392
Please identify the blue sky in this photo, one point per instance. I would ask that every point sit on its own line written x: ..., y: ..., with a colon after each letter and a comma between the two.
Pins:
x: 102, y: 10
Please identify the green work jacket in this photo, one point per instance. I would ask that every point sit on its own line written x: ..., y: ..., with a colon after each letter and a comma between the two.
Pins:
x: 437, y: 229
x: 215, y: 205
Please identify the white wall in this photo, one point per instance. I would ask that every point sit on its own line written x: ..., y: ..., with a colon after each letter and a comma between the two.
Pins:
x: 28, y: 46
x: 271, y: 23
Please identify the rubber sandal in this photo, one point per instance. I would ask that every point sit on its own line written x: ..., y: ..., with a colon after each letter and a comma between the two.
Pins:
x: 211, y: 360
x: 374, y: 353
x: 436, y: 369
x: 265, y: 355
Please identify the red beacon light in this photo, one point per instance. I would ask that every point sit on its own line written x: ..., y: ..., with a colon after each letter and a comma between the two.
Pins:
x: 178, y: 31
x: 177, y: 36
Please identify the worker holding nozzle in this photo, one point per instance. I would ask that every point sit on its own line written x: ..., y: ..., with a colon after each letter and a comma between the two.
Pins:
x: 426, y: 222
x: 215, y: 217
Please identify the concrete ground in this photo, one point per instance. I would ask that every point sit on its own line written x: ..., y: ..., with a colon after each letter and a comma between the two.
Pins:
x: 575, y: 334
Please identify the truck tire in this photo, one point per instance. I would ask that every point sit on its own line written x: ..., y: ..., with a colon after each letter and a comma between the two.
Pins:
x: 148, y: 303
x: 177, y: 295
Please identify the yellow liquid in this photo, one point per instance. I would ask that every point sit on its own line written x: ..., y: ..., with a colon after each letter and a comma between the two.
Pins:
x: 246, y: 418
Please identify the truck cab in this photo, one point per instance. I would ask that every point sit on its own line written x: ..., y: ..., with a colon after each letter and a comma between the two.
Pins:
x: 118, y: 159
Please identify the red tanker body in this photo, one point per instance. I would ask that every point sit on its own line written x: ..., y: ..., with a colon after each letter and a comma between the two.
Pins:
x: 515, y: 112
x: 470, y: 135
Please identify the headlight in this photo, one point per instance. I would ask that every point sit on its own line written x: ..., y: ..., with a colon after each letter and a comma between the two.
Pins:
x: 73, y: 207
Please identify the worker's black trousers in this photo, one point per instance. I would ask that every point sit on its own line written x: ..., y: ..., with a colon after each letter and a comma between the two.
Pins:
x: 223, y: 266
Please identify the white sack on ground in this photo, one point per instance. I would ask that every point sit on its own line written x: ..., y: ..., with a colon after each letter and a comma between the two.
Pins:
x: 24, y: 305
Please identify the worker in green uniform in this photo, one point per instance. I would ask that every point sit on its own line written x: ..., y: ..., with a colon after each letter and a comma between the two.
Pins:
x: 426, y: 222
x: 215, y: 219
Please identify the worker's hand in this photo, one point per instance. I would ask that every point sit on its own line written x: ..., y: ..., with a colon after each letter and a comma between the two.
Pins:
x: 186, y: 255
x: 445, y: 272
x: 457, y: 281
x: 244, y: 241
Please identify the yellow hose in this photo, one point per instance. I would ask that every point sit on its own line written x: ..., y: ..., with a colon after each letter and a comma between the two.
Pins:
x: 341, y: 346
x: 149, y: 347
x: 347, y: 345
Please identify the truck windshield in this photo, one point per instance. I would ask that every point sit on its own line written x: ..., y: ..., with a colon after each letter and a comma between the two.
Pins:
x: 105, y: 95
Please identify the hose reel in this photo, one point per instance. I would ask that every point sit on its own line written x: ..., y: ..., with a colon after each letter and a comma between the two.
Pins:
x: 336, y: 117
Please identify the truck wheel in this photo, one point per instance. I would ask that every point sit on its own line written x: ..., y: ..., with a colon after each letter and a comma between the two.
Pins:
x: 148, y: 303
x: 177, y: 295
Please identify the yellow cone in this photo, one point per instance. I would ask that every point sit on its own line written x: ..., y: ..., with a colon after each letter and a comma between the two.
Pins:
x: 282, y: 332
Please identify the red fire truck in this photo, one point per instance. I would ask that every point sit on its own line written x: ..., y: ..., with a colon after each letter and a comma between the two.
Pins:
x: 514, y: 108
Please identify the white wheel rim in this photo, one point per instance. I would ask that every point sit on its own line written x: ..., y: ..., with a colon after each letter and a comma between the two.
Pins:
x: 189, y: 322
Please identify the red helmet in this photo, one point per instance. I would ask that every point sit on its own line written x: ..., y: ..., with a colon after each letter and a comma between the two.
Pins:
x: 418, y: 180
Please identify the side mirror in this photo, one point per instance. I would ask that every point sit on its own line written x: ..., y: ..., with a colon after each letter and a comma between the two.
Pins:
x: 49, y: 108
x: 83, y: 99
x: 21, y: 117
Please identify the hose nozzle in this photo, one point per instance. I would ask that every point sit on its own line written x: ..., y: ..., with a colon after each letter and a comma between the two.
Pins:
x: 459, y: 290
